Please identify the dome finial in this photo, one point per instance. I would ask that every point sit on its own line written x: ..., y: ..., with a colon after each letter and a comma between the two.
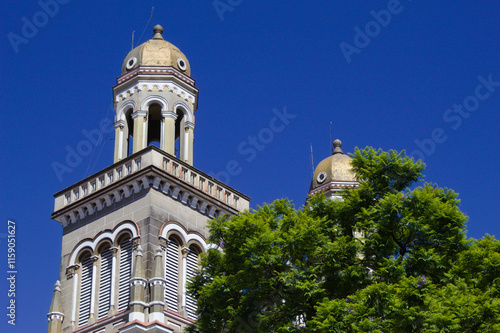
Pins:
x: 158, y: 30
x: 337, y: 144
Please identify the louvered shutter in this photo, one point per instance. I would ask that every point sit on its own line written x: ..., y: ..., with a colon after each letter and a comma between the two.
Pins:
x: 192, y: 269
x: 125, y: 274
x: 172, y: 275
x: 105, y: 283
x: 85, y: 292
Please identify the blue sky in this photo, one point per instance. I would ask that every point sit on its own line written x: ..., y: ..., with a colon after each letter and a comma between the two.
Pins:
x: 416, y: 75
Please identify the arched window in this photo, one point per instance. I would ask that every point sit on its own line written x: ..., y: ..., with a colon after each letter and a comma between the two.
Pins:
x: 85, y: 289
x: 172, y: 274
x: 106, y: 266
x: 154, y: 125
x: 129, y: 131
x: 101, y: 270
x: 179, y: 132
x: 125, y: 273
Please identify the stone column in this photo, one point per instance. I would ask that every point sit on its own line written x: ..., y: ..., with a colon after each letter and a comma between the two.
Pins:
x: 184, y: 252
x: 72, y: 273
x: 112, y: 305
x: 189, y: 133
x: 93, y: 291
x: 120, y: 141
x: 168, y: 132
x: 140, y: 130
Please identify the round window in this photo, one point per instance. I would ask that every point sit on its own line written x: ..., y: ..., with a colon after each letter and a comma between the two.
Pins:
x: 182, y: 64
x: 131, y: 63
x: 321, y: 177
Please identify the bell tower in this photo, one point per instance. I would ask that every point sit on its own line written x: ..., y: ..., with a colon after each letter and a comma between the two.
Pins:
x: 155, y: 101
x: 132, y: 233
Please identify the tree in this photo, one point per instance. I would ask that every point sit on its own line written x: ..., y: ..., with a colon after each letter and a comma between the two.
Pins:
x: 389, y: 257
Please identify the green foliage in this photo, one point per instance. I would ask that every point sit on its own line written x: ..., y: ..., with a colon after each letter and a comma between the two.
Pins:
x: 389, y: 257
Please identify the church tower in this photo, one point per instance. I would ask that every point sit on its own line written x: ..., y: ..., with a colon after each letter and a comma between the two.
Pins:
x: 333, y: 174
x: 133, y: 232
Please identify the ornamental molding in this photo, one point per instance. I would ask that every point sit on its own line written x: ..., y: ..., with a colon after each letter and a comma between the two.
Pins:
x: 169, y: 114
x: 55, y: 315
x: 157, y: 281
x: 135, y: 245
x: 71, y: 270
x: 154, y: 70
x: 153, y: 169
x: 334, y: 186
x: 163, y: 87
x: 187, y: 238
x: 93, y: 243
x: 163, y: 242
x: 154, y: 99
x: 138, y: 281
x: 139, y: 113
x: 120, y: 123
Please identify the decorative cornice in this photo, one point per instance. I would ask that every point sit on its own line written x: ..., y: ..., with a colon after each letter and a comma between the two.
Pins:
x: 150, y: 167
x: 161, y: 87
x: 151, y: 70
x: 334, y: 185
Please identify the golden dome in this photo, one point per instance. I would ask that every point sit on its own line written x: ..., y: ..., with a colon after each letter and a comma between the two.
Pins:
x: 333, y: 172
x: 156, y: 52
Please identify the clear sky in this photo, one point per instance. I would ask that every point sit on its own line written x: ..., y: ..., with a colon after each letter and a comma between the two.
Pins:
x: 418, y: 75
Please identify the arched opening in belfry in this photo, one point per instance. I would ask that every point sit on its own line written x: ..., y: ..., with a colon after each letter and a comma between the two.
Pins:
x: 154, y: 125
x: 179, y: 130
x: 129, y: 131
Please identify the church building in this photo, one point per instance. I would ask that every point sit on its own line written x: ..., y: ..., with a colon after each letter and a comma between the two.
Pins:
x: 132, y: 233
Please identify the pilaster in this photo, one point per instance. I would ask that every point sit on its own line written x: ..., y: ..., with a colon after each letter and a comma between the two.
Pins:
x: 157, y: 287
x: 138, y: 284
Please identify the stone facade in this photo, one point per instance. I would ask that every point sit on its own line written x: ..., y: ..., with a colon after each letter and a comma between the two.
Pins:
x: 133, y: 232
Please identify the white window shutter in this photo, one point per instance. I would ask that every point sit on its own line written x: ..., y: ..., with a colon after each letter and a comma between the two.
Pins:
x: 105, y: 283
x: 172, y: 275
x: 125, y: 274
x: 192, y: 269
x: 85, y: 292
